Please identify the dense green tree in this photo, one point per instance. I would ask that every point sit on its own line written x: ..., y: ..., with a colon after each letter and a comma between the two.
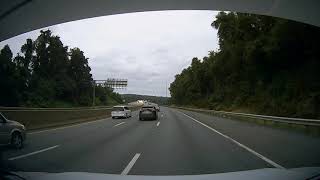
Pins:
x: 106, y: 96
x: 8, y: 90
x: 47, y: 74
x: 59, y: 65
x: 28, y: 50
x: 79, y: 72
x: 264, y: 65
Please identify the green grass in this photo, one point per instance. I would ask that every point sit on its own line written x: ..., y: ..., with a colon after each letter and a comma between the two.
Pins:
x: 38, y: 119
x: 50, y: 117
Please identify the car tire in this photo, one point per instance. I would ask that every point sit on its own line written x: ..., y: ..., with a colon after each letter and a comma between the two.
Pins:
x: 16, y: 140
x: 155, y: 116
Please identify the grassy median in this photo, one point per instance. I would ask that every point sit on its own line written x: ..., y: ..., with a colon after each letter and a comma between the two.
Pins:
x: 43, y: 118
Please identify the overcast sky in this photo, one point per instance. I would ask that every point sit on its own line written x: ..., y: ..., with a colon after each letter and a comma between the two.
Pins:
x: 147, y: 48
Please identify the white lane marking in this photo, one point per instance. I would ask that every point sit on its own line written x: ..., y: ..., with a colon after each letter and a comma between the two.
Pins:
x: 158, y: 123
x: 119, y: 124
x: 239, y: 144
x: 33, y: 153
x: 130, y: 165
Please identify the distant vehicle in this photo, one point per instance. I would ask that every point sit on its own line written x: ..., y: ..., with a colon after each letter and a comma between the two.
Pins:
x: 11, y: 132
x: 120, y: 112
x: 148, y: 112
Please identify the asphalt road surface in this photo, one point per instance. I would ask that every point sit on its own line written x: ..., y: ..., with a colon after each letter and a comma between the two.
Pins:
x: 180, y: 142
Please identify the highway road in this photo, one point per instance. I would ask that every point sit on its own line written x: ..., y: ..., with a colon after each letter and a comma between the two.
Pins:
x: 179, y: 143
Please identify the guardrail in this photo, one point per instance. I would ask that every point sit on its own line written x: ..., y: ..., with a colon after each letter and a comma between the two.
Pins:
x: 297, y: 121
x: 301, y: 121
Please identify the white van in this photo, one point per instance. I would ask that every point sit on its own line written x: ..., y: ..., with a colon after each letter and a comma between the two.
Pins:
x: 120, y: 112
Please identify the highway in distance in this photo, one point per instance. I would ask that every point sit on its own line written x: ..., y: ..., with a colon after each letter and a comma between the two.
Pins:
x: 179, y: 143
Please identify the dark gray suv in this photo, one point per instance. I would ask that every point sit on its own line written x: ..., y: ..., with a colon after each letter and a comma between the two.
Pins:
x: 12, y: 132
x: 148, y: 112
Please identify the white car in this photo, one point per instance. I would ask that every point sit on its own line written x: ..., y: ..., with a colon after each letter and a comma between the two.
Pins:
x: 120, y: 112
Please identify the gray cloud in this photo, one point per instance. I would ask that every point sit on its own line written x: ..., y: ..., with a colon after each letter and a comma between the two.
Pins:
x: 148, y: 48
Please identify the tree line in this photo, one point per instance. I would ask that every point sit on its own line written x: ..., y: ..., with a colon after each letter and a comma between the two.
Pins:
x: 264, y: 65
x: 45, y: 73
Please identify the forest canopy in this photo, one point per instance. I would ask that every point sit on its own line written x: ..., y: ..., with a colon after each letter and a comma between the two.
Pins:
x: 46, y: 73
x: 264, y: 65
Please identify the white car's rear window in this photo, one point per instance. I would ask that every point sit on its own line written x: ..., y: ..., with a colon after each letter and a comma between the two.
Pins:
x: 117, y: 109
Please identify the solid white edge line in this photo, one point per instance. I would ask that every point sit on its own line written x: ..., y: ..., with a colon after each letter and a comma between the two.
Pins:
x: 119, y: 124
x: 33, y: 153
x: 239, y: 144
x: 130, y: 165
x: 158, y: 123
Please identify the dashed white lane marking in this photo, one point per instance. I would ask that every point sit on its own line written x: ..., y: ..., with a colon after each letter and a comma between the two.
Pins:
x: 158, y: 123
x: 130, y: 165
x: 239, y: 144
x: 33, y: 153
x: 119, y: 124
